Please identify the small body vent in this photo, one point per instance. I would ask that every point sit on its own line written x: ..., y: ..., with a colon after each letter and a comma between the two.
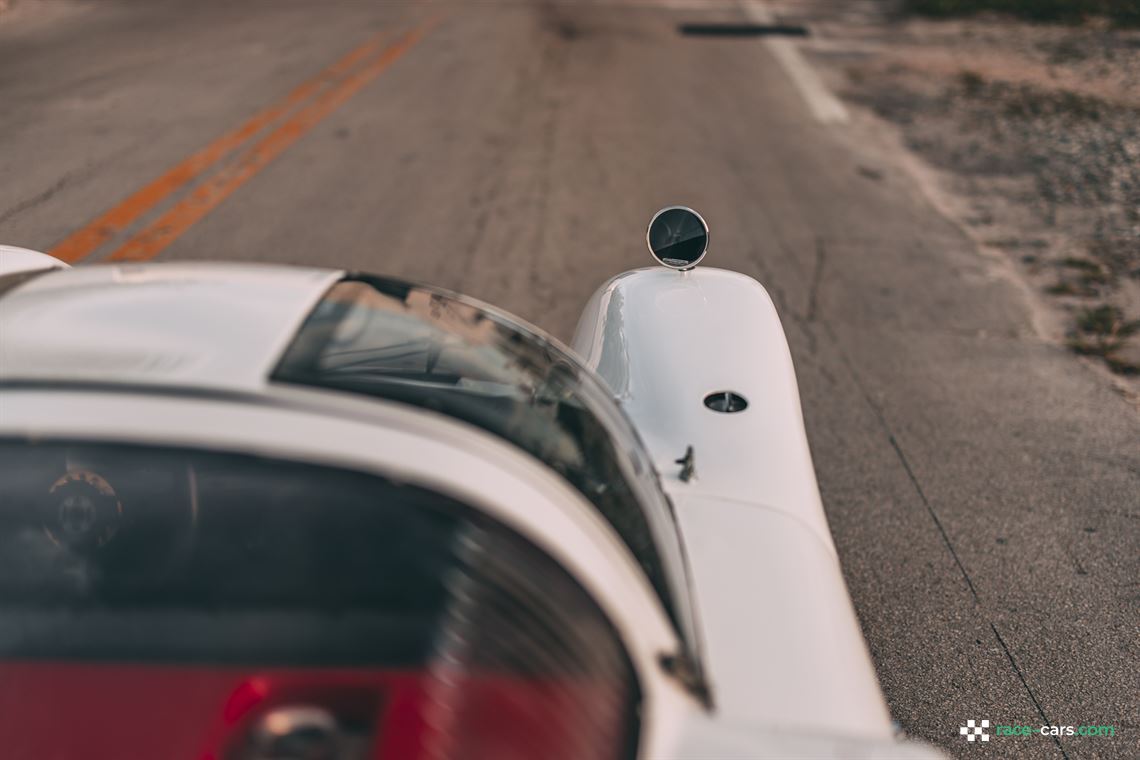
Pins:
x: 726, y: 402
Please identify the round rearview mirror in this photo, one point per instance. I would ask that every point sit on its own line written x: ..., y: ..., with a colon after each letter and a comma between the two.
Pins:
x: 678, y: 237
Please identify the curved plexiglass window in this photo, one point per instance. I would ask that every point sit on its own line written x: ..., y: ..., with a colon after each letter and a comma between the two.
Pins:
x: 430, y: 348
x: 190, y: 603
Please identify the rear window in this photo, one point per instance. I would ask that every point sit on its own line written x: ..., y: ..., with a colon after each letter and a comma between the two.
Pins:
x: 239, y: 589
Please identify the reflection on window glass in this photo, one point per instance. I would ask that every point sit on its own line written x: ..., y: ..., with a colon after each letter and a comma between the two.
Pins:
x: 425, y: 347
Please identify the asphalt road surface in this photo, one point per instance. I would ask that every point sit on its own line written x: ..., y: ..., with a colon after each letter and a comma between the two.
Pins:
x: 983, y: 485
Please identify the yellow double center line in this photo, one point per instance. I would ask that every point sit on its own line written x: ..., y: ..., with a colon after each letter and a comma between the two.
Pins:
x: 313, y: 100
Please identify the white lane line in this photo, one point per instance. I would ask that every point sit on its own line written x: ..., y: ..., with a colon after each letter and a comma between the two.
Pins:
x: 824, y: 106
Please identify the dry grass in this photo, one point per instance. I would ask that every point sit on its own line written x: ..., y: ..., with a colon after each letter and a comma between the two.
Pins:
x: 1101, y: 332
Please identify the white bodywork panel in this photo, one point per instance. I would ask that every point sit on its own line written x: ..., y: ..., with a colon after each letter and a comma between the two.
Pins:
x: 190, y: 325
x: 706, y: 738
x: 771, y: 600
x: 14, y: 260
x: 773, y: 609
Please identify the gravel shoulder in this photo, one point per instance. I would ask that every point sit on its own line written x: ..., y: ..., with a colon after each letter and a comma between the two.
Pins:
x: 1028, y: 135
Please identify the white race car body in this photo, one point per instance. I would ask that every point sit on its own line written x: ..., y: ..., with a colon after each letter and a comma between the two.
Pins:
x: 745, y: 646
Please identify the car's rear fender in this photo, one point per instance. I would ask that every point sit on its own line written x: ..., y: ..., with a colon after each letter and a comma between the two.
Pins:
x: 774, y: 612
x: 664, y: 341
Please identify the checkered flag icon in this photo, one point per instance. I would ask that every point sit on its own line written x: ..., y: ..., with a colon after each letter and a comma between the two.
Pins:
x: 974, y: 730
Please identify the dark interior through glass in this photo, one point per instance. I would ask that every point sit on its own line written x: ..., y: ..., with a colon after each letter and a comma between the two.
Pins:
x: 184, y: 585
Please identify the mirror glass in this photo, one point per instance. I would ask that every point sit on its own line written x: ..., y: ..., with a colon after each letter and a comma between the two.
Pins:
x: 678, y: 237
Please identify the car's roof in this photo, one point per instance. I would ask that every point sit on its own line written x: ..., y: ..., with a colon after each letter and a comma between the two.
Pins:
x: 217, y: 326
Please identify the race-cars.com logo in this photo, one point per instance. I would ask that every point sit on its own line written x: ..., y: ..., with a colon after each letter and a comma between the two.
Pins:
x: 980, y: 730
x: 974, y: 731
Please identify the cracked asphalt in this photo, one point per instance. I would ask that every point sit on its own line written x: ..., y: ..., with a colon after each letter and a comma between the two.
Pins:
x: 983, y: 485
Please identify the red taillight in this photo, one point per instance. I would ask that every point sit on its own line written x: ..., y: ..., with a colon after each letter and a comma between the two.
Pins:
x: 301, y: 716
x: 301, y: 732
x: 421, y: 716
